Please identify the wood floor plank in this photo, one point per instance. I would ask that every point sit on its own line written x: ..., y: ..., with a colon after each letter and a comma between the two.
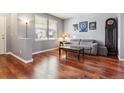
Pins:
x: 48, y: 65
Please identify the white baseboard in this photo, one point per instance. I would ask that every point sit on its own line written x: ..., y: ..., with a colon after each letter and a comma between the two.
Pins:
x: 120, y: 59
x: 25, y: 61
x: 44, y: 51
x: 28, y: 61
x: 8, y: 53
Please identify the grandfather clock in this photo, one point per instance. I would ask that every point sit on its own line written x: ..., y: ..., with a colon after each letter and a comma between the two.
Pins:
x: 111, y: 36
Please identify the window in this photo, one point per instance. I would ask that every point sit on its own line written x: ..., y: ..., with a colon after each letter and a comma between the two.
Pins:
x: 41, y: 27
x: 52, y: 29
x: 45, y: 28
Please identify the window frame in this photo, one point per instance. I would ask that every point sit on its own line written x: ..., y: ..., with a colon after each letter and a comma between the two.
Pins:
x: 56, y: 30
x: 41, y: 39
x: 47, y: 29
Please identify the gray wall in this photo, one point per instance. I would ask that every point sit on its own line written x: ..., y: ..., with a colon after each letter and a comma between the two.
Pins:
x: 18, y: 46
x: 8, y: 42
x: 99, y: 34
x: 16, y: 29
x: 13, y: 35
x: 121, y: 35
x: 42, y: 44
x: 22, y: 47
x: 22, y: 26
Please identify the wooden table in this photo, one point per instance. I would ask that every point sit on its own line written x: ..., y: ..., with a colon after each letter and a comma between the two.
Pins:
x: 73, y: 49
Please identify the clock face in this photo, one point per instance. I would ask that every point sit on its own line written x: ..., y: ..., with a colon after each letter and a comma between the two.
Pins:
x: 110, y: 22
x: 83, y: 26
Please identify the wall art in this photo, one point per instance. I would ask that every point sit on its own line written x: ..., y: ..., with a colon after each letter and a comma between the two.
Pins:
x: 92, y: 26
x: 83, y: 26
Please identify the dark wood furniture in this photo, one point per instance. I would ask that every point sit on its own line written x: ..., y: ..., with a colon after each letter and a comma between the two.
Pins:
x: 62, y: 43
x: 73, y: 49
x: 111, y: 36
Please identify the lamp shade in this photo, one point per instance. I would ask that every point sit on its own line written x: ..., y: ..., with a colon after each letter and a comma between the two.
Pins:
x: 61, y: 39
x: 26, y: 21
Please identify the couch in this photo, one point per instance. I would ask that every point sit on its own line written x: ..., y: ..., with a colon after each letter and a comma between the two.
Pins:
x: 84, y: 43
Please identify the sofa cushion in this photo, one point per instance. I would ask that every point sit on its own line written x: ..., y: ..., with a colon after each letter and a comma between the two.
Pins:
x: 75, y: 41
x: 86, y: 42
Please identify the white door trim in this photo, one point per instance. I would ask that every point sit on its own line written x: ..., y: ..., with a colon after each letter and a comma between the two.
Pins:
x: 4, y: 34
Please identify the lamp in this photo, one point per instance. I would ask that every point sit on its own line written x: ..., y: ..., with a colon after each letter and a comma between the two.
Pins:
x: 60, y: 39
x: 65, y: 37
x: 26, y: 22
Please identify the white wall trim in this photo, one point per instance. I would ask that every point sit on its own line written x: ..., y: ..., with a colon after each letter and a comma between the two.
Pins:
x: 44, y: 51
x: 120, y: 59
x: 5, y: 35
x: 28, y: 61
x: 25, y: 61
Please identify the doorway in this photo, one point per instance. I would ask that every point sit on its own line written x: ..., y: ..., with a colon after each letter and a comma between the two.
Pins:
x: 2, y: 34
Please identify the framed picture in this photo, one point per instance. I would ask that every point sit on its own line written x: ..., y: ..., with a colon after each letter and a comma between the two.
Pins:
x: 75, y: 27
x: 92, y: 26
x: 83, y: 26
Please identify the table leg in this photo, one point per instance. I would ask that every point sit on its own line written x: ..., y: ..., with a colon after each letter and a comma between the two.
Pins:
x: 66, y: 54
x: 90, y: 50
x: 79, y: 55
x: 59, y: 52
x: 83, y: 51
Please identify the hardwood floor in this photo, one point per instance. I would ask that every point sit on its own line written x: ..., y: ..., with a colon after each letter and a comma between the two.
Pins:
x: 48, y: 66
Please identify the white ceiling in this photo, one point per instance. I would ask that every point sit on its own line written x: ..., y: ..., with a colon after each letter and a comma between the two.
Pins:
x: 68, y: 15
